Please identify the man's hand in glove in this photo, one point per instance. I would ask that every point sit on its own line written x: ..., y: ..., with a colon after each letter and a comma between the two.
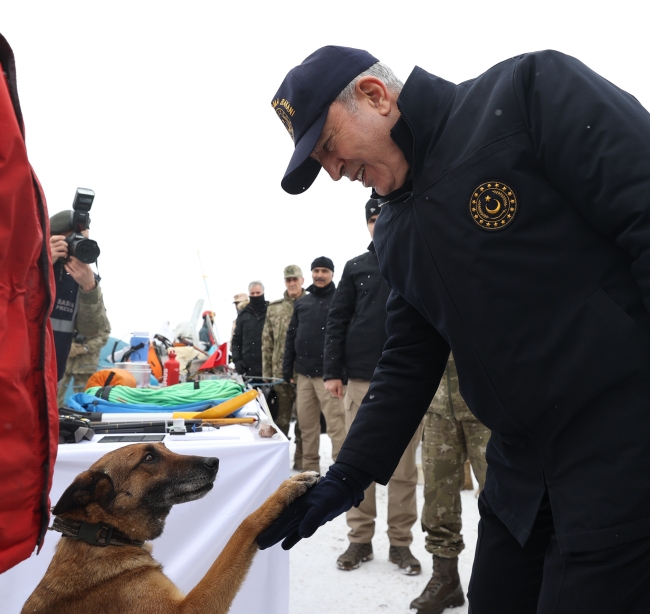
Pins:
x: 241, y: 367
x: 334, y: 494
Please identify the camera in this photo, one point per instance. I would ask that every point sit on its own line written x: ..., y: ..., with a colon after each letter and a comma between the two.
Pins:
x: 85, y: 250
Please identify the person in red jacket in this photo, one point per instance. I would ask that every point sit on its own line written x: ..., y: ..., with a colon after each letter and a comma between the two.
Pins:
x: 29, y: 424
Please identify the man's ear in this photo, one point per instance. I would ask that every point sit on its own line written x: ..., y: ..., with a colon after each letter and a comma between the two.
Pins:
x: 87, y: 487
x: 375, y: 92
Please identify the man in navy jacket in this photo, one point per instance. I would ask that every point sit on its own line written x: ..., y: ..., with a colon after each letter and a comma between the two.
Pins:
x: 515, y: 229
x: 354, y: 339
x: 303, y: 353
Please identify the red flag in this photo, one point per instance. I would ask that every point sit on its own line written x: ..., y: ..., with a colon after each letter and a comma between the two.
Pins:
x: 218, y: 358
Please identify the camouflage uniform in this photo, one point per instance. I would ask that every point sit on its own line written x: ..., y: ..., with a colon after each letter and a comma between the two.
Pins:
x: 451, y: 434
x: 274, y: 335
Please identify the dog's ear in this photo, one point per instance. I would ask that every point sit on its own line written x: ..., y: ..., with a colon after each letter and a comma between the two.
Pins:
x: 87, y: 487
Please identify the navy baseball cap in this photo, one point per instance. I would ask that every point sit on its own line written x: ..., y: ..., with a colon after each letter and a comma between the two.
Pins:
x: 303, y: 100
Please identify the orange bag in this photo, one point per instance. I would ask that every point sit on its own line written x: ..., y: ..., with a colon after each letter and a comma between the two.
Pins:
x: 155, y: 363
x: 121, y: 377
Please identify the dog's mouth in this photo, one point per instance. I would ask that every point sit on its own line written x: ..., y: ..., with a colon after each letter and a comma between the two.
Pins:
x: 191, y: 495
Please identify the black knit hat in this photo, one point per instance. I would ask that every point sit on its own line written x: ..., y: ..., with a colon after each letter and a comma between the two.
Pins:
x: 324, y: 262
x: 61, y: 222
x: 372, y: 208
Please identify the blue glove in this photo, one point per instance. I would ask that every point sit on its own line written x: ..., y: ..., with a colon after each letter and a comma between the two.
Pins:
x: 332, y: 495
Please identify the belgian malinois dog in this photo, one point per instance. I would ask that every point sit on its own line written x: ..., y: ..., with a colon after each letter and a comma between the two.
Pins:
x: 103, y: 565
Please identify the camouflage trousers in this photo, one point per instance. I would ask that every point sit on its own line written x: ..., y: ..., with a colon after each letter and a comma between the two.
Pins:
x: 78, y: 379
x: 286, y: 394
x: 446, y: 445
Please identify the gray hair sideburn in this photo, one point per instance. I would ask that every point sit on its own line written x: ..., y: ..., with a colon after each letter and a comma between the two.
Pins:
x: 382, y: 72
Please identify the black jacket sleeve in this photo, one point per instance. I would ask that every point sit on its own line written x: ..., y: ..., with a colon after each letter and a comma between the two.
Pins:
x: 236, y: 349
x: 593, y: 141
x: 338, y: 319
x: 401, y: 390
x: 289, y: 357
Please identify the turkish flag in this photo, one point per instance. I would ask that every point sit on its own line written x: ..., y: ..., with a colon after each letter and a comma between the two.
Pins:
x: 218, y: 359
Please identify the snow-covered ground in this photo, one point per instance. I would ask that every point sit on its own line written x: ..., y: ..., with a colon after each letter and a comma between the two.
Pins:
x: 319, y: 587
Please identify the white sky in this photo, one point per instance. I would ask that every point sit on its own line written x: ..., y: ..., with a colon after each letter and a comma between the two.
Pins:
x: 164, y: 109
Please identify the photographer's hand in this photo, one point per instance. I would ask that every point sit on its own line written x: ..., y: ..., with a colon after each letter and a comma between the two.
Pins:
x: 81, y: 273
x: 58, y: 247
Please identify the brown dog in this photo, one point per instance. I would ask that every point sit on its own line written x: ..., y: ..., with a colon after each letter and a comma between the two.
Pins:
x: 103, y: 566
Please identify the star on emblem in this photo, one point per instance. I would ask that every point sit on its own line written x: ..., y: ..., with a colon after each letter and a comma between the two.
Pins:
x: 488, y: 198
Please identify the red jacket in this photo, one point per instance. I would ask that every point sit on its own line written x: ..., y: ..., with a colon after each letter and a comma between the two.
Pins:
x: 28, y: 411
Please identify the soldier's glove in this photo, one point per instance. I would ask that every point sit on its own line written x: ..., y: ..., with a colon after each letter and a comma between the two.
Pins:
x: 340, y: 489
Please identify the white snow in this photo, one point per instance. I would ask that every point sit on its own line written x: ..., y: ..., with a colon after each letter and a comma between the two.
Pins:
x: 319, y: 587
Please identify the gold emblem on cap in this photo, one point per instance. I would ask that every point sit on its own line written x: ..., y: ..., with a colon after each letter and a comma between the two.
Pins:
x: 493, y: 205
x: 285, y: 112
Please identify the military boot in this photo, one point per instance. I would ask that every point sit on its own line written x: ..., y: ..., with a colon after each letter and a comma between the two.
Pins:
x: 354, y: 556
x: 443, y: 590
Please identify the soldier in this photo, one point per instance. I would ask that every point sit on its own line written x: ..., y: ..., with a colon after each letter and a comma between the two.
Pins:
x: 82, y: 362
x: 452, y: 435
x: 274, y: 335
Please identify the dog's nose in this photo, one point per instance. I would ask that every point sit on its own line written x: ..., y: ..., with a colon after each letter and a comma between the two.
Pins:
x: 212, y: 462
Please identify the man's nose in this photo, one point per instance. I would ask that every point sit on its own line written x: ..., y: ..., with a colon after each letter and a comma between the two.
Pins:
x: 333, y: 167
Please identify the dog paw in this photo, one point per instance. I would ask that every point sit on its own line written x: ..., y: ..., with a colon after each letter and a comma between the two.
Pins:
x: 298, y: 485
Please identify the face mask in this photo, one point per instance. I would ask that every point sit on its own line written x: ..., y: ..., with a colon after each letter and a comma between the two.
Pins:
x: 257, y: 301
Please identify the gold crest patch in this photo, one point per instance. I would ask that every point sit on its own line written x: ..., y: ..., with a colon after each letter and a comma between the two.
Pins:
x: 493, y: 205
x: 285, y: 112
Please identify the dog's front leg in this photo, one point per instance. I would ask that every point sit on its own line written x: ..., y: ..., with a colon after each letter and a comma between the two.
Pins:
x: 216, y: 591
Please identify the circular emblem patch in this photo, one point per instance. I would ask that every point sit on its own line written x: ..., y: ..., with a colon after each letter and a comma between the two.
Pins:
x: 286, y: 120
x: 493, y: 205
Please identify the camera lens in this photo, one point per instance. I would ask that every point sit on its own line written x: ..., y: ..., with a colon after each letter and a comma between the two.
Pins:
x: 85, y: 250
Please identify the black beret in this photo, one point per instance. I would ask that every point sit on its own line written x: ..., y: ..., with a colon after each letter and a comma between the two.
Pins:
x: 324, y: 262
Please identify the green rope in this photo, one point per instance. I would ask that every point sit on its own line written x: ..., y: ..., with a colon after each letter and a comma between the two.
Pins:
x: 179, y: 394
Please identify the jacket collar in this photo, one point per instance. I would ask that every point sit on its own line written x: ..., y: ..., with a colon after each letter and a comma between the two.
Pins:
x: 316, y: 291
x: 289, y: 298
x: 424, y: 105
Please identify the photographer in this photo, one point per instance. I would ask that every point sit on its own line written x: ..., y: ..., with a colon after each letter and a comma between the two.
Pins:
x: 79, y: 306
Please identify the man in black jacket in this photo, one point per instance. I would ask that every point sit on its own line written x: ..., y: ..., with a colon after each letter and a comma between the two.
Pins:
x: 303, y: 353
x: 515, y: 229
x: 354, y: 339
x: 247, y: 340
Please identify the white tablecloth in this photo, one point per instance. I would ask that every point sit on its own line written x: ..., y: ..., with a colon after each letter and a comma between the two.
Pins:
x: 250, y: 469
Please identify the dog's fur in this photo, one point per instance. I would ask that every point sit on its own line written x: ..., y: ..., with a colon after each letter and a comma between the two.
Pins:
x: 133, y: 490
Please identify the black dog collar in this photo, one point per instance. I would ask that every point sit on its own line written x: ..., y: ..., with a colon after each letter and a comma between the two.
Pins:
x: 99, y: 534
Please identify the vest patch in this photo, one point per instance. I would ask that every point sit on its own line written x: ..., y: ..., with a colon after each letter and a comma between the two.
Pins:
x: 493, y: 205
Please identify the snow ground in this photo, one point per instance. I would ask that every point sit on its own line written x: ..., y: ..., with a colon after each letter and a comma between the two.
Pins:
x: 319, y: 587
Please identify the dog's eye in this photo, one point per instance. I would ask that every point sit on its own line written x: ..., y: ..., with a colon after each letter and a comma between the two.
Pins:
x: 149, y: 458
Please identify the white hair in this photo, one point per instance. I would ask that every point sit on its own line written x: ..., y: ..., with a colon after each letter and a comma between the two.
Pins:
x: 382, y: 72
x: 255, y: 283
